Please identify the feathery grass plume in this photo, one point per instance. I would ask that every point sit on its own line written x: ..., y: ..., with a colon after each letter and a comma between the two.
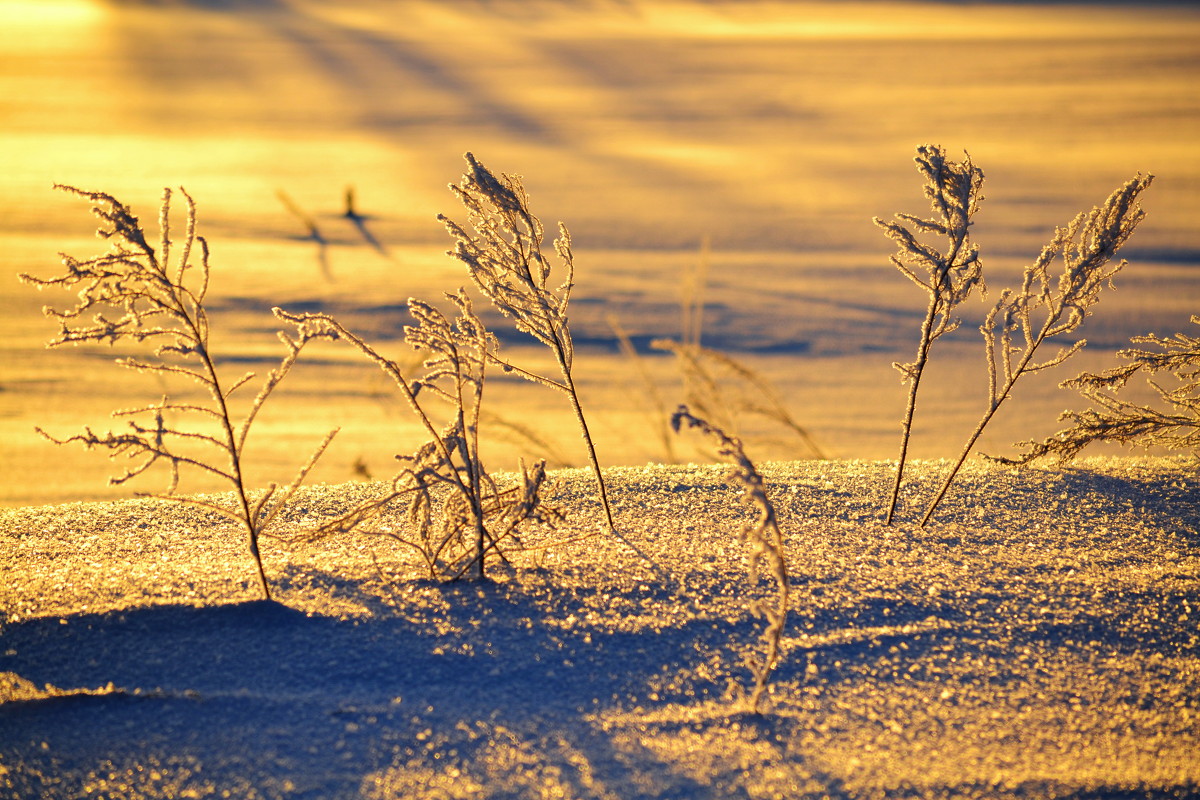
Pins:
x: 162, y: 308
x: 1085, y: 246
x: 456, y: 514
x: 1113, y: 419
x: 765, y: 543
x: 948, y: 276
x: 502, y: 250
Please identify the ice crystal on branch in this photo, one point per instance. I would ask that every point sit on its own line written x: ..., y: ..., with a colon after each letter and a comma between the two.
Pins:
x: 503, y: 253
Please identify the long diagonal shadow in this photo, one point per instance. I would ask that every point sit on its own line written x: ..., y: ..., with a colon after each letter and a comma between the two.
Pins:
x: 261, y: 692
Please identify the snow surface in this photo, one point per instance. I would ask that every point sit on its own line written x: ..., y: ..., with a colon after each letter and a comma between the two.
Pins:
x: 1039, y: 639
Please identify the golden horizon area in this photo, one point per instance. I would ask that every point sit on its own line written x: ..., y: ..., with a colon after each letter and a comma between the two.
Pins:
x: 772, y: 131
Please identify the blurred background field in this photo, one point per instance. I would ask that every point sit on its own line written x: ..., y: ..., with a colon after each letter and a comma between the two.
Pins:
x: 773, y: 132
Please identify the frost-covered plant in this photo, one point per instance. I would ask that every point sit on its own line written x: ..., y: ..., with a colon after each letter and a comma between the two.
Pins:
x: 159, y: 295
x: 452, y: 511
x: 502, y: 250
x: 1045, y: 308
x: 947, y: 275
x: 764, y: 541
x: 1176, y: 425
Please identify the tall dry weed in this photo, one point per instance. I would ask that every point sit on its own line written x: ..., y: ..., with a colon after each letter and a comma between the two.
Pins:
x: 1046, y: 307
x: 947, y: 273
x: 502, y: 249
x: 154, y: 299
x: 443, y: 503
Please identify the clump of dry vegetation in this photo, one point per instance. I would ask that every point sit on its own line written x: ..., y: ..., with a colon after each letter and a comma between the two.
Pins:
x: 153, y: 299
x: 1022, y: 320
x: 447, y: 506
x: 1044, y: 308
x: 443, y: 503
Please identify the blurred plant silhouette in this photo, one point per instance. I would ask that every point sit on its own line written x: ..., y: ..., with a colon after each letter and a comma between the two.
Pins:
x: 161, y: 307
x: 719, y: 387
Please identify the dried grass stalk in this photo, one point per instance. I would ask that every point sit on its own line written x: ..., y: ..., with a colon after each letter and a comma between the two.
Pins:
x: 947, y: 275
x: 502, y: 248
x: 159, y: 305
x: 1044, y: 308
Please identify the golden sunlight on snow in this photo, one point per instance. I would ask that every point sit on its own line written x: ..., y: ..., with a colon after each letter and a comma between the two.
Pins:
x: 775, y: 131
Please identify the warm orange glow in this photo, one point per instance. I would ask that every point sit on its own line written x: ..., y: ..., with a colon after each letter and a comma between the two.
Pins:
x: 21, y: 18
x: 774, y: 129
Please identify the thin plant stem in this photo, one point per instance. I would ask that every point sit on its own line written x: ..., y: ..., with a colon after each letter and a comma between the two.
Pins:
x: 161, y: 297
x: 1085, y: 246
x: 974, y: 437
x: 953, y: 189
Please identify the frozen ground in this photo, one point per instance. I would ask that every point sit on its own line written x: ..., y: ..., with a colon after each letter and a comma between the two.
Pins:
x: 776, y: 130
x: 1040, y: 639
